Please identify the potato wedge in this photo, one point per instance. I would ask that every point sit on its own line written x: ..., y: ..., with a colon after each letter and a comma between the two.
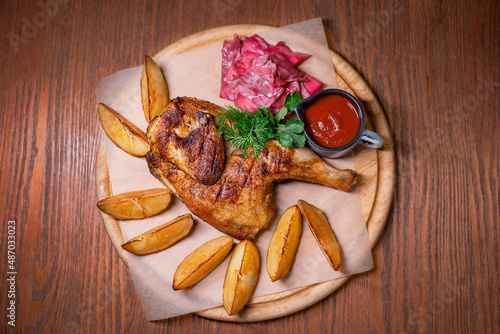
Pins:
x: 145, y: 93
x: 154, y: 90
x: 136, y: 204
x: 322, y: 231
x: 201, y: 262
x: 124, y: 134
x: 160, y: 237
x: 284, y: 243
x: 241, y: 277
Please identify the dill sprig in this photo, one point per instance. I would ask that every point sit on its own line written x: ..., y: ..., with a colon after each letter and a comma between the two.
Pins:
x: 246, y: 129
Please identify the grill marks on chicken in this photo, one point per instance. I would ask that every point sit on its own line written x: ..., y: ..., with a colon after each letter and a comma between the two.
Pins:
x: 241, y: 202
x: 187, y: 137
x: 234, y: 205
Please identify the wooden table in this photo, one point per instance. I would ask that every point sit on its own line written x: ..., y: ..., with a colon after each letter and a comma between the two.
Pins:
x: 435, y: 68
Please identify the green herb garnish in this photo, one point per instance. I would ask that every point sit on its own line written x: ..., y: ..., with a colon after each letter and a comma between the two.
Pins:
x: 245, y: 129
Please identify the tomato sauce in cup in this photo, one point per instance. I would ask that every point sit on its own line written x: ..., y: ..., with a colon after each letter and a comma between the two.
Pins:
x: 332, y: 121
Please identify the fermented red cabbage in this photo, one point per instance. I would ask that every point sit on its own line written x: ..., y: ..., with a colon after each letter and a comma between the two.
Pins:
x: 255, y: 73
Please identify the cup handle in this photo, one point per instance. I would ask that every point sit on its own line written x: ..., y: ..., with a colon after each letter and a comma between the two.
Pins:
x: 371, y: 139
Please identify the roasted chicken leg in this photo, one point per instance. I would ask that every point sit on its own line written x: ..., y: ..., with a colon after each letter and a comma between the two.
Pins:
x: 241, y: 201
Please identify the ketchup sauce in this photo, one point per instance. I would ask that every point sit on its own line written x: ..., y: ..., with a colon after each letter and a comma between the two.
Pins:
x: 332, y: 121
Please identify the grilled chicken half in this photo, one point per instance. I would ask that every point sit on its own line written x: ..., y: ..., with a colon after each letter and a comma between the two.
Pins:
x: 236, y: 194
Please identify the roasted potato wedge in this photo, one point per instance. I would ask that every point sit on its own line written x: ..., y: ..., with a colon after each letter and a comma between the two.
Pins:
x: 136, y: 204
x: 160, y: 237
x: 197, y: 265
x: 322, y: 231
x: 241, y: 276
x: 145, y: 93
x: 154, y: 90
x: 284, y: 243
x: 124, y: 134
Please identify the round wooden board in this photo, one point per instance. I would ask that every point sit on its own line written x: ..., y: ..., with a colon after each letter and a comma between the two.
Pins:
x: 376, y: 183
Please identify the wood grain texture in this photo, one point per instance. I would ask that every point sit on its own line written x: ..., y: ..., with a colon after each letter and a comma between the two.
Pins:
x: 434, y: 67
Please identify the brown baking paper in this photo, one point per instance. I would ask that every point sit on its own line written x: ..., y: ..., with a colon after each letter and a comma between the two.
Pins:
x: 197, y: 74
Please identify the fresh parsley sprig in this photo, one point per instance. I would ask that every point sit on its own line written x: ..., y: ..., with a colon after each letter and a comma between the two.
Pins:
x: 245, y: 129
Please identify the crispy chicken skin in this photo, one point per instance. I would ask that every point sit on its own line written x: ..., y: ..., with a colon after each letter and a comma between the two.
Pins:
x: 241, y: 201
x: 185, y: 135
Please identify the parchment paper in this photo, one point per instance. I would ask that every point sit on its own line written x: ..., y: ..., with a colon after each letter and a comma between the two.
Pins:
x: 197, y: 74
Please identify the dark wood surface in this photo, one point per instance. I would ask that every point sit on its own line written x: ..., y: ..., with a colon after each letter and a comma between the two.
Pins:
x: 434, y: 66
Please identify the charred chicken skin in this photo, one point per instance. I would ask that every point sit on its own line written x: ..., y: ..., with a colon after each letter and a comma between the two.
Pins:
x: 236, y: 193
x: 186, y: 136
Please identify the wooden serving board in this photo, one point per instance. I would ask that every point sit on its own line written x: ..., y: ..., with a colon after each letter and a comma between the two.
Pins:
x: 376, y: 170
